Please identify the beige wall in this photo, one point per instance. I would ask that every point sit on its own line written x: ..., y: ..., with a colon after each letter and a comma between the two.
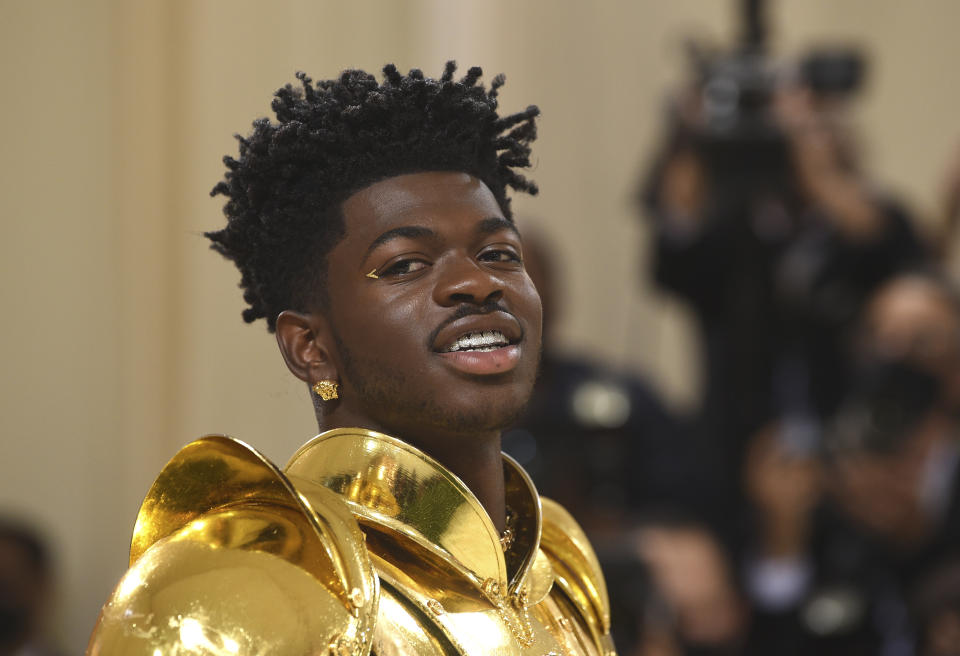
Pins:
x: 123, y: 338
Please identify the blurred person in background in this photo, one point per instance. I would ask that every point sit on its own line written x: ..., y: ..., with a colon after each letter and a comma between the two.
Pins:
x: 698, y: 608
x: 674, y: 590
x: 597, y: 439
x: 766, y: 224
x: 936, y: 609
x: 845, y: 529
x: 26, y: 591
x: 950, y: 206
x: 602, y: 443
x: 910, y: 363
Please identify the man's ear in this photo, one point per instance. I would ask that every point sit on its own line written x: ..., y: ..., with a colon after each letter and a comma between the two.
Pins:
x: 305, y: 341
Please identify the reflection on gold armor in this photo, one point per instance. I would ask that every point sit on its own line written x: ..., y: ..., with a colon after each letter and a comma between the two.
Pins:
x: 362, y: 543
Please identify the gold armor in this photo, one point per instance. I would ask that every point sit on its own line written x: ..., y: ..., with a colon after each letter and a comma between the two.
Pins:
x: 361, y: 544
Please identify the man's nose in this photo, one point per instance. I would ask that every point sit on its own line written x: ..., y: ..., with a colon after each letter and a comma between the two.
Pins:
x: 464, y: 280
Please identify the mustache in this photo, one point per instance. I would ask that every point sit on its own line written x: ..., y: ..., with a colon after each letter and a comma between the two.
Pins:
x: 465, y: 310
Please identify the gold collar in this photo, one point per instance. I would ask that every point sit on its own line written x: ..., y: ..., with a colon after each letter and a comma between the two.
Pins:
x: 420, y: 516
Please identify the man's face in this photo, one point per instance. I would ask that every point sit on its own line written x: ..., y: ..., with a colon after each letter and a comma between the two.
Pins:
x: 446, y: 338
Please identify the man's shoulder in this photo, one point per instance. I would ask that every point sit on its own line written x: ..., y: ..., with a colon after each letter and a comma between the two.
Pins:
x: 228, y: 556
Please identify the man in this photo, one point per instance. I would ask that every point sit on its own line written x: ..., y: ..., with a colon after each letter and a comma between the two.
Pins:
x: 373, y: 233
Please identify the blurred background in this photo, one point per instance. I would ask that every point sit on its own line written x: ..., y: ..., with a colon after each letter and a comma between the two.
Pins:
x: 746, y: 236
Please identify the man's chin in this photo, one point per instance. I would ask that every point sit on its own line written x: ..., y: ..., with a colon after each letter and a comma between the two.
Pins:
x: 455, y: 422
x: 491, y: 418
x: 455, y: 407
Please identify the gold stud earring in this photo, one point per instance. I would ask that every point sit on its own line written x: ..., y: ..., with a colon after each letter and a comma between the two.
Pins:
x: 326, y: 389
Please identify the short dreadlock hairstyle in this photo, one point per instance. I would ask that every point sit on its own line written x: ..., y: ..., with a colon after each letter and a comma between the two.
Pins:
x: 334, y: 137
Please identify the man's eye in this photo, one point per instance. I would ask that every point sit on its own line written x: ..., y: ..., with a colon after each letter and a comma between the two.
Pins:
x: 403, y: 267
x: 500, y: 255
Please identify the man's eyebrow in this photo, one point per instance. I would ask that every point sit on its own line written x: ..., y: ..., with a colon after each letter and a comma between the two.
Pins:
x: 409, y: 232
x: 495, y: 224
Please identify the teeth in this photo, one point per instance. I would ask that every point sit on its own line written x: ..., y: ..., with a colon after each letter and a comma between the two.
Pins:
x: 479, y: 341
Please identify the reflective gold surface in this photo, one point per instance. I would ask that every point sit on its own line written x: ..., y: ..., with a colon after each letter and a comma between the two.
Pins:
x: 200, y: 592
x: 576, y: 567
x: 438, y: 555
x: 402, y: 630
x: 393, y: 487
x: 231, y: 556
x: 226, y: 553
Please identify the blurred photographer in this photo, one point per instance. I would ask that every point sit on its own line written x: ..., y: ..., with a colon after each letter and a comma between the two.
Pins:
x: 593, y: 437
x: 765, y: 223
x: 845, y: 530
x: 936, y: 609
x: 27, y: 581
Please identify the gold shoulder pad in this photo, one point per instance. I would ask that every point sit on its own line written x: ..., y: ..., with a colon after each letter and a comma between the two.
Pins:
x: 575, y: 566
x: 229, y: 558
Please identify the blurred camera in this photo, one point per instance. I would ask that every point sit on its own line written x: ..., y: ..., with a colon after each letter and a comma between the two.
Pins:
x: 738, y: 136
x: 833, y: 72
x: 887, y: 402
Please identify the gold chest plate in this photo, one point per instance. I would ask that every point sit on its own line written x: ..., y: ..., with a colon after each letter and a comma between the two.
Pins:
x: 362, y: 543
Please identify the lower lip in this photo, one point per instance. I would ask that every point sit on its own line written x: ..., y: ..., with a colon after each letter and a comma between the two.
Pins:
x: 484, y: 363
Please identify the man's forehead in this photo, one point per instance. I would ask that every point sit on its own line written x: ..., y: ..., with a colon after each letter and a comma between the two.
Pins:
x: 419, y: 195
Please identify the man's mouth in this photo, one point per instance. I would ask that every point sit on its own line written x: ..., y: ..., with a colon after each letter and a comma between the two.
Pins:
x: 476, y: 332
x: 482, y: 344
x: 488, y: 340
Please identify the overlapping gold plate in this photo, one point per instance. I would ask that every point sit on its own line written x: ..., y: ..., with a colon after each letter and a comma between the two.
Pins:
x: 228, y: 558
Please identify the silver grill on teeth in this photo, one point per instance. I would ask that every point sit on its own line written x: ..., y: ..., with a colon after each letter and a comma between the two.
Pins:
x: 479, y: 341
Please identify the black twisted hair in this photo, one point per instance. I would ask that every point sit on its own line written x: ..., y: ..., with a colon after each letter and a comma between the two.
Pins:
x: 335, y: 137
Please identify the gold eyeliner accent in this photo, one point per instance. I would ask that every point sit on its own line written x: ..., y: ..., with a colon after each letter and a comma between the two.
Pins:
x: 373, y: 274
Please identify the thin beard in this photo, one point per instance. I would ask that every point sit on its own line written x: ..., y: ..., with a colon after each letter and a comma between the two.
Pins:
x: 389, y: 388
